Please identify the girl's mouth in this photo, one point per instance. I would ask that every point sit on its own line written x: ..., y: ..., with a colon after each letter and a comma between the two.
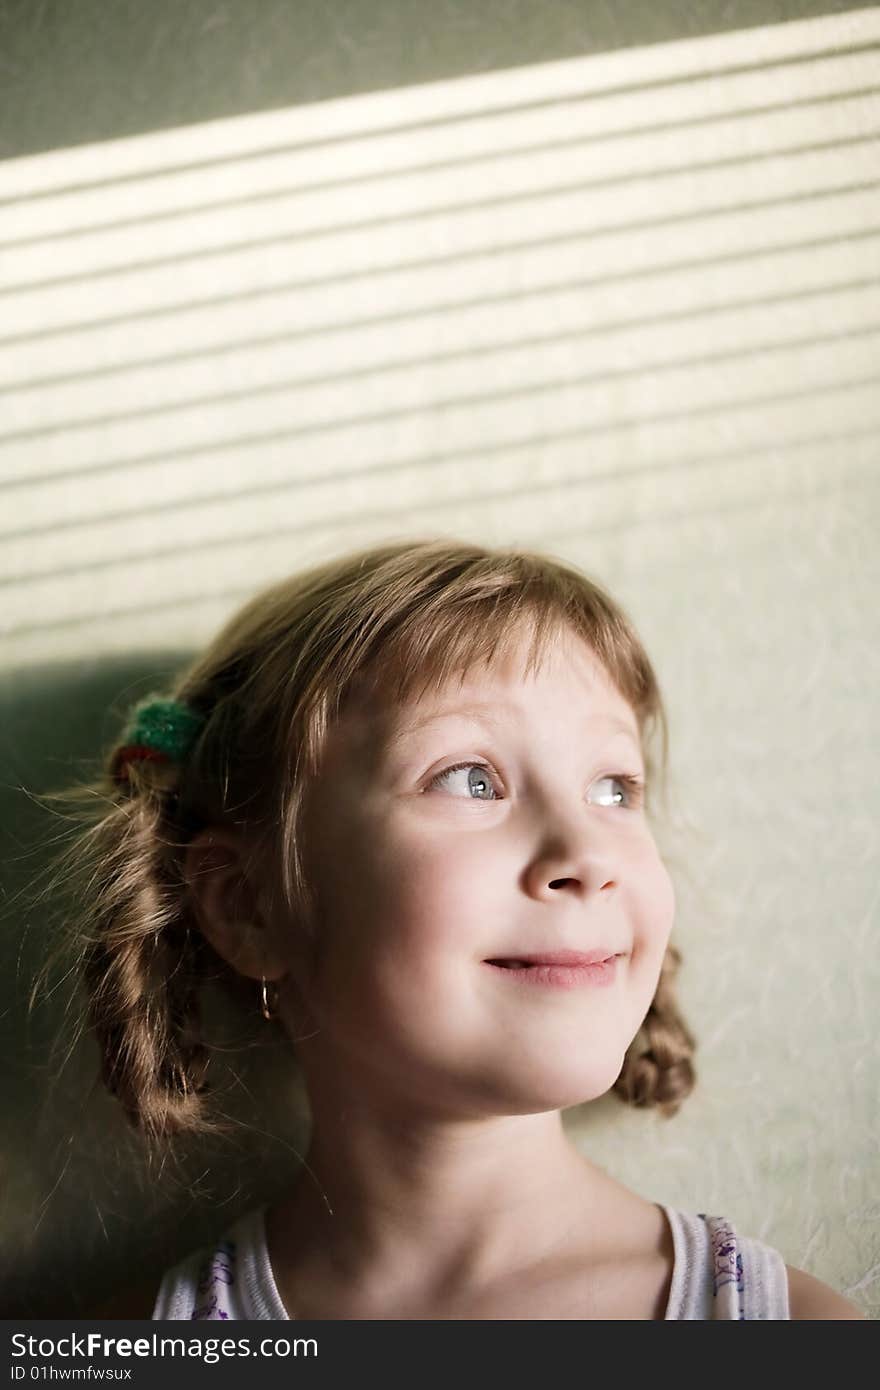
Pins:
x: 563, y: 974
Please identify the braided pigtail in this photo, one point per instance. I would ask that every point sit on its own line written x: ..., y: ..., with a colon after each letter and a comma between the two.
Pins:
x: 658, y: 1068
x: 141, y: 969
x: 127, y: 940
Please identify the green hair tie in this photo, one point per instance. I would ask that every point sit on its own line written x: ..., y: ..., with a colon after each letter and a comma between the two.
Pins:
x: 159, y: 729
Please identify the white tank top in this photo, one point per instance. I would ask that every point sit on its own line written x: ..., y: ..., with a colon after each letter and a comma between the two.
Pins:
x: 716, y: 1274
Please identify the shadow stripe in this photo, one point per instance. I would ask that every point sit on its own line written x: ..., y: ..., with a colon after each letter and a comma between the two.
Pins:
x: 371, y: 224
x: 864, y: 481
x: 572, y: 335
x: 458, y: 118
x: 595, y: 329
x: 404, y: 171
x: 585, y: 431
x: 291, y: 485
x: 458, y: 257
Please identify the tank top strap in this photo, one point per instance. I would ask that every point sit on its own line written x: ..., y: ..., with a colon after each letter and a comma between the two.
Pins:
x: 721, y: 1274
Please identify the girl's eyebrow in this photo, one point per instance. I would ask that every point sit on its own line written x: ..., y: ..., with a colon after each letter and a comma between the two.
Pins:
x: 479, y: 711
x: 488, y: 714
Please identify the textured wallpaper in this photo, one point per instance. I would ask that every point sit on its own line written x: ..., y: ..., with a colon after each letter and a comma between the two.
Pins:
x: 624, y: 307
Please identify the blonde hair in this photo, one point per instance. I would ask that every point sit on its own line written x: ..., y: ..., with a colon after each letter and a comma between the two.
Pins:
x: 402, y: 617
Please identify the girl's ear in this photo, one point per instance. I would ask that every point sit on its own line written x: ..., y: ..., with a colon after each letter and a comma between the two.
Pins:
x: 227, y: 904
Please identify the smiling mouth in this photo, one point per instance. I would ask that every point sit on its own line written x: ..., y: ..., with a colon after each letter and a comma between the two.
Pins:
x: 559, y: 970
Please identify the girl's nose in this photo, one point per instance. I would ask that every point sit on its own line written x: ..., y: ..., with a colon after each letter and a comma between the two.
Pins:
x: 577, y: 862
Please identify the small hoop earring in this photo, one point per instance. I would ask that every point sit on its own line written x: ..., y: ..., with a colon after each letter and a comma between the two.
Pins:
x: 270, y: 1011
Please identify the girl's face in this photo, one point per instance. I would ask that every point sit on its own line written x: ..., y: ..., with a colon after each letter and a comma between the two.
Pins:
x: 426, y: 871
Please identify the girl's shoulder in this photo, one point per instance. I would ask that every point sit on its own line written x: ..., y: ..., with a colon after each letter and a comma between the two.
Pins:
x: 811, y: 1300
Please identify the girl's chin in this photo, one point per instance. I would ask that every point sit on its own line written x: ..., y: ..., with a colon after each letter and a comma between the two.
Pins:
x: 537, y: 1094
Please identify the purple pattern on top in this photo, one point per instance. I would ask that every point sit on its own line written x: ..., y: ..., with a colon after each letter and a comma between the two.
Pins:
x: 217, y: 1273
x: 727, y: 1266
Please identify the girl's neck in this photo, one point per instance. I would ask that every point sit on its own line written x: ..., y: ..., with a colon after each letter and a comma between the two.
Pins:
x: 383, y: 1216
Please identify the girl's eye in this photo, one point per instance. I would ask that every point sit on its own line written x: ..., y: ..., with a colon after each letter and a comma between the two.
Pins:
x: 634, y: 789
x: 479, y: 782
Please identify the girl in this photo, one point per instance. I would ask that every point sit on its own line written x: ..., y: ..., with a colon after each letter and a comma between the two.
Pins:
x: 405, y: 794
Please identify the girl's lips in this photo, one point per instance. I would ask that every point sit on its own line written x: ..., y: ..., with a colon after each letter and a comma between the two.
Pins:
x: 545, y: 973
